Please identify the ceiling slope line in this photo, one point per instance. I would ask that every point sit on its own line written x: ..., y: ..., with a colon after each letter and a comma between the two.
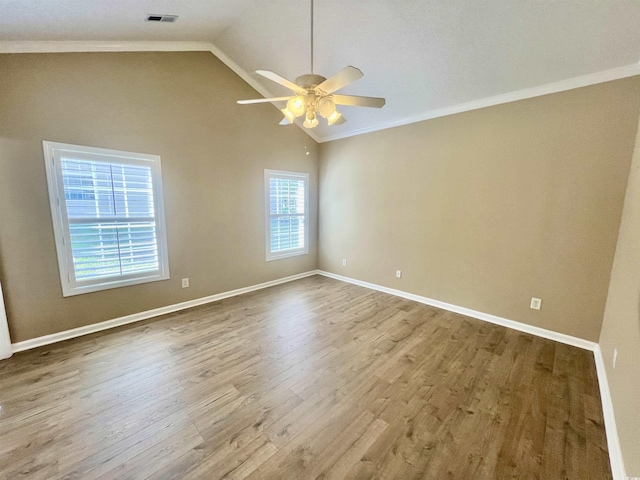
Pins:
x: 538, y: 91
x: 174, y: 46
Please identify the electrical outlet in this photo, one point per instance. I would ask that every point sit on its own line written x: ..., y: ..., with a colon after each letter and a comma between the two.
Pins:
x: 536, y: 303
x: 185, y: 283
x: 615, y: 357
x: 398, y: 273
x: 344, y: 262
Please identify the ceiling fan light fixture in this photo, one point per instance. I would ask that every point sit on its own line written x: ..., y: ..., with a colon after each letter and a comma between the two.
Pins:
x: 334, y: 117
x: 311, y: 121
x: 297, y: 105
x: 326, y: 107
x: 314, y: 94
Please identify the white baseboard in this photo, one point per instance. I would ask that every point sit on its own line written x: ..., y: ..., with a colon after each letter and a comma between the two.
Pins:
x: 523, y: 327
x: 136, y: 317
x: 613, y: 441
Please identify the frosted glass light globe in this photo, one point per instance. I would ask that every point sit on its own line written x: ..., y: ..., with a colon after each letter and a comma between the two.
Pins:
x: 296, y: 105
x: 334, y: 117
x: 326, y: 107
x: 288, y: 114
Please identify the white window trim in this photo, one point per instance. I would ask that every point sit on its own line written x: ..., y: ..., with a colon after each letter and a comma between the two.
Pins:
x: 288, y: 253
x: 58, y: 205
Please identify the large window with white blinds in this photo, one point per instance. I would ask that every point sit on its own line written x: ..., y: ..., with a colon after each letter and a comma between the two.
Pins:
x: 108, y: 217
x: 287, y: 213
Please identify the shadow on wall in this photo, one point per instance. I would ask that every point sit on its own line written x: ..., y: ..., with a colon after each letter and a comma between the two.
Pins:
x: 637, y: 318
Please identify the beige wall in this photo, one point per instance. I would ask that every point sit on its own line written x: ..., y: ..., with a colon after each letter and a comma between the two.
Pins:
x: 489, y: 208
x: 180, y: 106
x: 621, y: 325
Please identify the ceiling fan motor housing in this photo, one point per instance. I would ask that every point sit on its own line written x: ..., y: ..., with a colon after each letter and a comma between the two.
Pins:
x: 310, y: 80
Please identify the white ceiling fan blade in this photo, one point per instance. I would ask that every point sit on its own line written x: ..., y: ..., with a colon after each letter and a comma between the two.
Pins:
x: 341, y: 79
x: 274, y: 77
x: 285, y: 121
x: 355, y: 101
x: 263, y: 100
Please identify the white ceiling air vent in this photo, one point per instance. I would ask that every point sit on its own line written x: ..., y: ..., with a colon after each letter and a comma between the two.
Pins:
x: 162, y: 18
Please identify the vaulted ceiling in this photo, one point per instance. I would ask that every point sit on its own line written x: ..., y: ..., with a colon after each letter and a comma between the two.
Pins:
x: 426, y: 57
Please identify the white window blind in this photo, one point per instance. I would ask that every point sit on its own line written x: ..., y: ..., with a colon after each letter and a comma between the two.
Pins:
x: 108, y: 220
x: 287, y: 198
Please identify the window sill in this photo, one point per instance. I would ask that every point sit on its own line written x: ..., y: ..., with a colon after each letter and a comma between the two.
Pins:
x: 278, y: 256
x: 69, y: 291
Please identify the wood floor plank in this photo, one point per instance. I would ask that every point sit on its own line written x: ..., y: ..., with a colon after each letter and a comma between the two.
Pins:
x: 157, y: 457
x: 344, y: 454
x: 295, y: 456
x: 233, y: 462
x: 312, y: 379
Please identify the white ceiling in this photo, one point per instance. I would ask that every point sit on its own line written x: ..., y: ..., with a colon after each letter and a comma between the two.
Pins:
x: 426, y: 57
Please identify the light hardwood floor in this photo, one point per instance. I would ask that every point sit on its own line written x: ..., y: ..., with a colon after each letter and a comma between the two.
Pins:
x: 311, y: 379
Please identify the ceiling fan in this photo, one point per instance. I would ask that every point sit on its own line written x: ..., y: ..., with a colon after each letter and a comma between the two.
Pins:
x: 314, y: 94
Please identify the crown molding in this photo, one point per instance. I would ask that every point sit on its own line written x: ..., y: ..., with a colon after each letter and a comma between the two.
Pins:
x: 555, y: 87
x: 150, y: 46
x: 100, y: 46
x: 146, y: 46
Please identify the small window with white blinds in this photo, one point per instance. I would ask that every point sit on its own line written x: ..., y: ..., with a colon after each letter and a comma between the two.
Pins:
x: 287, y: 213
x: 108, y: 217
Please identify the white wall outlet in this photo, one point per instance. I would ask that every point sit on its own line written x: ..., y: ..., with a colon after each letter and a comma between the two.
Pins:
x: 398, y: 273
x: 536, y: 303
x: 344, y: 262
x: 615, y: 357
x: 185, y: 283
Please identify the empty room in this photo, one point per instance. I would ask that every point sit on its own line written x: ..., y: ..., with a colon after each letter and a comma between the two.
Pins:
x: 298, y: 239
